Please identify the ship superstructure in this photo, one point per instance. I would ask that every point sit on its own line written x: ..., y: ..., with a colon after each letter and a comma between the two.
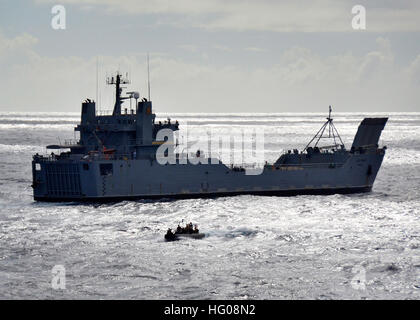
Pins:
x: 115, y: 159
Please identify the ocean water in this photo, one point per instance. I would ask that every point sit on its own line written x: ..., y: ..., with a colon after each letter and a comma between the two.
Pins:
x: 361, y: 246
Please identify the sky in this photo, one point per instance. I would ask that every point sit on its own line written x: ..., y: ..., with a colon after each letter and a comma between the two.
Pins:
x: 213, y: 56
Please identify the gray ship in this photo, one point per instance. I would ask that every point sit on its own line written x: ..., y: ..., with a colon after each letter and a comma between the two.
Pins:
x: 115, y: 159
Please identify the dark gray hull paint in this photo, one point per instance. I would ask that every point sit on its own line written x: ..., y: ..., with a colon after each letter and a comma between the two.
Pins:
x: 141, y: 179
x: 278, y: 193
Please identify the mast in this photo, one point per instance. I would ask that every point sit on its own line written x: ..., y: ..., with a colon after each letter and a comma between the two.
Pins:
x: 332, y: 133
x: 148, y: 78
x: 117, y: 106
x: 97, y: 81
x: 117, y: 81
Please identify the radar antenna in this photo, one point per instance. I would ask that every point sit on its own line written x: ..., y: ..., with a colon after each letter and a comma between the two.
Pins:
x: 332, y: 134
x: 148, y: 77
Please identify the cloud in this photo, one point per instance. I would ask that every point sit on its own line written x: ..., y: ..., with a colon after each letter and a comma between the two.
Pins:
x: 19, y: 45
x: 188, y: 47
x: 222, y: 48
x: 255, y: 49
x: 266, y: 15
x: 414, y: 70
x: 300, y: 80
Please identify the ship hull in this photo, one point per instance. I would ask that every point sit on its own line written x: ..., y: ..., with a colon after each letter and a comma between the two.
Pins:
x: 210, y: 195
x: 117, y: 180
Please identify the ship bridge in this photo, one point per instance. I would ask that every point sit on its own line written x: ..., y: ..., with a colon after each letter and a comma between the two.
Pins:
x: 129, y: 132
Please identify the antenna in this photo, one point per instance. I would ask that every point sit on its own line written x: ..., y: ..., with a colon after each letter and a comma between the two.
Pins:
x: 148, y: 77
x: 97, y: 84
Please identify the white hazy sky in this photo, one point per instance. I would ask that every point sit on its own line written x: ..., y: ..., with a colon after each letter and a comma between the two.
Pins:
x: 213, y: 56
